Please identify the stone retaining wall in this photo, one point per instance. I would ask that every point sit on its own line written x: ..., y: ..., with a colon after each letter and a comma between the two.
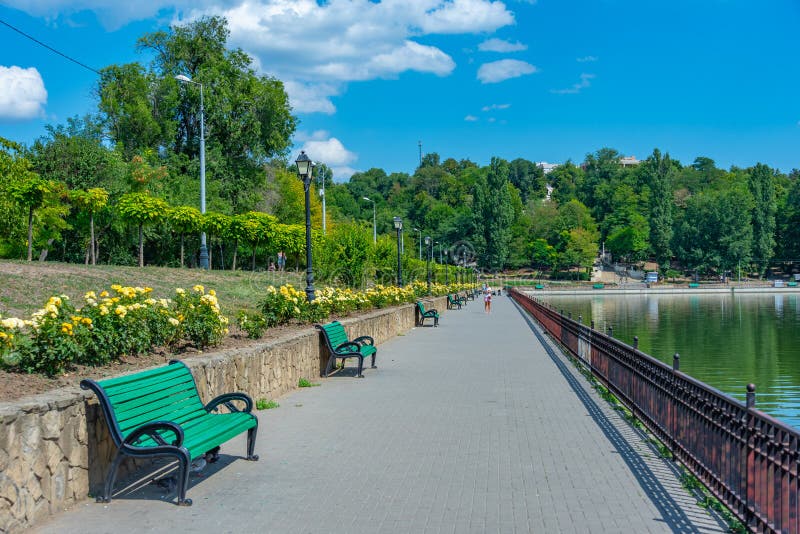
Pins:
x: 55, y: 447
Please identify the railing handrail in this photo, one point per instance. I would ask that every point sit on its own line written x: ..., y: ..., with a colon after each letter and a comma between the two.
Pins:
x: 748, y: 459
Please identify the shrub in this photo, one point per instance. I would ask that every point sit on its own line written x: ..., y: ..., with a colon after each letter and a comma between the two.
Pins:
x: 253, y: 323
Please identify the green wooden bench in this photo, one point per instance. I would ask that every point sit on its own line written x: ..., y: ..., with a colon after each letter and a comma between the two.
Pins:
x: 694, y: 285
x: 339, y: 346
x: 456, y: 300
x: 159, y: 413
x: 792, y: 284
x: 598, y: 286
x: 539, y: 286
x: 427, y: 314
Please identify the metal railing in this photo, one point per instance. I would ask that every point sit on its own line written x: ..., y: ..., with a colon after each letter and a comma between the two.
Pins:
x: 747, y: 459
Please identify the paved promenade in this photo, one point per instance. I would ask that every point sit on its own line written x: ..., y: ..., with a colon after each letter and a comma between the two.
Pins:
x: 475, y: 426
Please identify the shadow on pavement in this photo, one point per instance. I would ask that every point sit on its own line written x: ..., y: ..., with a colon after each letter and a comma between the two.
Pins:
x: 671, y: 511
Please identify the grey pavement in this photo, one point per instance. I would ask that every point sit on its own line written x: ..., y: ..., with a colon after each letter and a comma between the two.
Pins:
x: 475, y: 426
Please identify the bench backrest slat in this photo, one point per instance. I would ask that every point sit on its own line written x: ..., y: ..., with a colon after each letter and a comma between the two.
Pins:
x: 421, y: 306
x: 165, y: 393
x: 336, y: 333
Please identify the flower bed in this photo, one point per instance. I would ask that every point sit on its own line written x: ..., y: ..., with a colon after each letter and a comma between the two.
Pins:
x: 124, y: 320
x: 284, y: 304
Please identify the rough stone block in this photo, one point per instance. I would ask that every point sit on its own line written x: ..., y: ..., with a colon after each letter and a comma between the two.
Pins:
x: 51, y: 424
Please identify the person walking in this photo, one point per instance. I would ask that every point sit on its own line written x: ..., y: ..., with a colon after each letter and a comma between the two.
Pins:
x: 487, y: 300
x: 281, y: 260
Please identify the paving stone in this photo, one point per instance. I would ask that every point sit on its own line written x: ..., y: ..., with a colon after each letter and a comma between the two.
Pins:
x: 473, y: 426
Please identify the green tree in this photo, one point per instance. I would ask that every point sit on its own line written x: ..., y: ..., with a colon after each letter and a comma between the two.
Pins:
x: 185, y: 220
x: 528, y: 178
x: 493, y: 214
x: 580, y: 249
x: 762, y: 188
x: 141, y: 209
x: 542, y: 254
x: 216, y: 225
x: 31, y: 193
x: 629, y: 243
x: 346, y: 255
x: 659, y: 174
x: 91, y: 202
x: 716, y: 230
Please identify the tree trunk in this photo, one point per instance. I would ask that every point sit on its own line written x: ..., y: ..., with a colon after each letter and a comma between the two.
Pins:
x: 88, y: 253
x: 253, y: 266
x: 141, y: 245
x: 45, y: 250
x: 235, y: 251
x: 210, y: 249
x: 91, y: 238
x: 30, y: 234
x: 221, y: 256
x: 181, y: 250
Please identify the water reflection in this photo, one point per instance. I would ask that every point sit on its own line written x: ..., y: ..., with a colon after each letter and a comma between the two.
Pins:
x: 724, y: 340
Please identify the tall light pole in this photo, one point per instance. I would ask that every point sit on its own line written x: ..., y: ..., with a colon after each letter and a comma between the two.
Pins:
x: 321, y: 175
x: 398, y: 225
x: 420, y: 241
x: 374, y: 228
x: 304, y: 171
x: 428, y: 252
x: 203, y: 248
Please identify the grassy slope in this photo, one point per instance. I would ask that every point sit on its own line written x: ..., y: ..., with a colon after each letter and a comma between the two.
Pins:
x: 25, y: 287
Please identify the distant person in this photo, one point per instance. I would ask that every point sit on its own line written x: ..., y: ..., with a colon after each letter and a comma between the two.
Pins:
x: 487, y: 300
x: 281, y: 260
x: 272, y: 266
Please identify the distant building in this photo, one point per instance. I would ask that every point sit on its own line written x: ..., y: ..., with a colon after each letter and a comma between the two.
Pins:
x: 629, y: 161
x: 549, y: 194
x: 547, y: 167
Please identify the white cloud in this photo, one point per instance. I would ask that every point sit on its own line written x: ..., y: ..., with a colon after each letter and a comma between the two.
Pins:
x: 499, y: 45
x: 22, y: 93
x: 308, y: 43
x: 312, y: 98
x: 576, y: 88
x: 495, y: 106
x: 586, y: 59
x: 321, y: 147
x: 316, y: 47
x: 498, y: 71
x: 470, y: 118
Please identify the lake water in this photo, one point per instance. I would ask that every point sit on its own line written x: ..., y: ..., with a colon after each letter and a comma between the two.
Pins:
x: 725, y: 340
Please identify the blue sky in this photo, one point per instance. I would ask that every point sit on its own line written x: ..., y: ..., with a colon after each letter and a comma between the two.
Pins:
x: 545, y: 80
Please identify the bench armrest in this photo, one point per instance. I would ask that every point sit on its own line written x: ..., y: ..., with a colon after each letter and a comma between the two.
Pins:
x: 432, y: 310
x: 348, y: 347
x: 364, y: 340
x: 226, y: 400
x: 150, y: 429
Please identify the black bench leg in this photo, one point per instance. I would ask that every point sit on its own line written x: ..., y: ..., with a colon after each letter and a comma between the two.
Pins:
x: 183, y: 477
x: 373, y: 360
x: 329, y: 366
x: 110, y: 478
x: 360, y: 367
x: 251, y: 444
x: 435, y: 321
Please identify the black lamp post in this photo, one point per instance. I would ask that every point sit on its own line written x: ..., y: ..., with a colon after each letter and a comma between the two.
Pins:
x: 304, y: 172
x: 428, y: 245
x: 398, y: 225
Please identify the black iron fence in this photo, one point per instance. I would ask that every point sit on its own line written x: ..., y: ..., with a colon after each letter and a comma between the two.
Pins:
x: 747, y: 459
